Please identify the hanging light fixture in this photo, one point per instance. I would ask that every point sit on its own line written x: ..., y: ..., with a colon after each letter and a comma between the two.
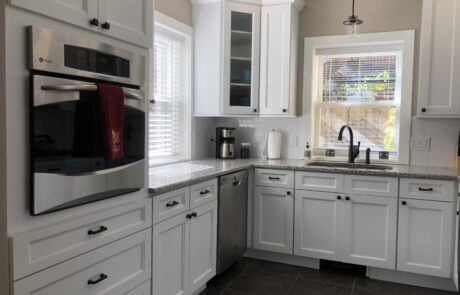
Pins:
x: 352, y: 23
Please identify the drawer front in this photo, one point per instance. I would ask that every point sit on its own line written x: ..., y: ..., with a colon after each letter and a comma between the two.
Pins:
x: 113, y: 269
x: 203, y: 192
x: 170, y: 204
x: 427, y: 189
x: 323, y: 182
x: 143, y: 289
x: 274, y: 178
x: 42, y: 248
x: 371, y: 185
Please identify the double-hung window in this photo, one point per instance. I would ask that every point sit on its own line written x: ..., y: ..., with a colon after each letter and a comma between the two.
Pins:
x: 170, y: 115
x: 361, y: 84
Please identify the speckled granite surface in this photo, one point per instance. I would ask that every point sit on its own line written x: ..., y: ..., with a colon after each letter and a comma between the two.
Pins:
x: 169, y: 177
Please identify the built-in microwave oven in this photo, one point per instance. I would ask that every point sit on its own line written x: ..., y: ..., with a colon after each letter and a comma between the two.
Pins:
x: 65, y: 72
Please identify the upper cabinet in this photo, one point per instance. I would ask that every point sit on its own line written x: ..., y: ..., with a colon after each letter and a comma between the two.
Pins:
x: 130, y: 21
x: 245, y: 57
x: 439, y: 90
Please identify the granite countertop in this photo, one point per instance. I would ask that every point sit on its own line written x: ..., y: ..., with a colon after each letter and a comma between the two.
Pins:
x: 169, y: 177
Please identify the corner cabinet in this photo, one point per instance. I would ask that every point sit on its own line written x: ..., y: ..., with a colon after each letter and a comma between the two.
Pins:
x: 130, y: 21
x: 245, y: 58
x: 439, y: 90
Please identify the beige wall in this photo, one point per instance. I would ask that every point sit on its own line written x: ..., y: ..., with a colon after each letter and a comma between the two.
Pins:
x: 4, y: 274
x: 325, y: 17
x: 180, y: 10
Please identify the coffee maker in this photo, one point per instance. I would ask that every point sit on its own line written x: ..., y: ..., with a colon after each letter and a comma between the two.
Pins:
x: 225, y: 143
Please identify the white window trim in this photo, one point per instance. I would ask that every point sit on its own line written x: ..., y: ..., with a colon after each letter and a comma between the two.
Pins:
x: 405, y: 39
x: 179, y: 28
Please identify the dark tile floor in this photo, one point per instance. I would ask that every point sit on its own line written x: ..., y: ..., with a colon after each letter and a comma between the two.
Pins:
x: 257, y: 277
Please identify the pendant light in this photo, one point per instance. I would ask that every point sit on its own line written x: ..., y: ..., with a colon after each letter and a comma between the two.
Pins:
x: 353, y: 22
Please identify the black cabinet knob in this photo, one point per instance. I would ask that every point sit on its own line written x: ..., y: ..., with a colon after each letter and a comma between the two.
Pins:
x: 288, y: 193
x: 255, y: 110
x: 152, y: 101
x: 94, y: 22
x: 347, y: 198
x: 284, y: 111
x: 404, y: 203
x: 105, y: 26
x: 423, y: 110
x: 339, y: 197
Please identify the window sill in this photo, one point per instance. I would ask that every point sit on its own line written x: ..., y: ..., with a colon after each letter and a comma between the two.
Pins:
x: 167, y: 161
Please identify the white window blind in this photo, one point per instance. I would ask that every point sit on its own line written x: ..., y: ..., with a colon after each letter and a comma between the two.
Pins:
x: 361, y: 91
x: 167, y: 115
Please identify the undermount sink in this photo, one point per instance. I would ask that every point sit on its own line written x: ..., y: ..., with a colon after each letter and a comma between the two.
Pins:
x: 350, y: 165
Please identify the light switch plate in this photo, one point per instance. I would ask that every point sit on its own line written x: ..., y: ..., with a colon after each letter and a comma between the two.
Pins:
x: 294, y: 140
x: 420, y: 143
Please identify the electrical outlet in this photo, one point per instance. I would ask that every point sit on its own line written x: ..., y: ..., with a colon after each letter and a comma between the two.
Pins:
x: 294, y: 140
x: 420, y: 143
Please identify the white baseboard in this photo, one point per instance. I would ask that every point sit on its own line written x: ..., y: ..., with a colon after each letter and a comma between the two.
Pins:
x: 411, y: 279
x: 283, y: 258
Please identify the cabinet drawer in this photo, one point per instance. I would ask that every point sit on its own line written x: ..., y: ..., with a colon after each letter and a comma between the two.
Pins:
x: 113, y: 269
x: 274, y: 178
x: 202, y: 193
x: 170, y: 204
x: 42, y: 248
x: 427, y: 189
x: 323, y: 182
x: 371, y: 185
x: 143, y: 289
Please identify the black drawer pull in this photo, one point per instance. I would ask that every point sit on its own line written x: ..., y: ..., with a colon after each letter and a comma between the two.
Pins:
x: 105, y: 26
x: 274, y: 178
x: 191, y: 215
x: 425, y: 189
x: 404, y: 203
x: 339, y: 197
x: 205, y: 192
x: 102, y: 277
x: 172, y: 204
x: 97, y: 231
x: 347, y: 198
x: 94, y: 22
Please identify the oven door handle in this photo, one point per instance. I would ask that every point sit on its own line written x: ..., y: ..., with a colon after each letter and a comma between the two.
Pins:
x: 89, y: 87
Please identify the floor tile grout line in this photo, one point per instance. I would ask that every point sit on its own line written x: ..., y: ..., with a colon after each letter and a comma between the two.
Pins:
x: 354, y: 284
x: 293, y: 283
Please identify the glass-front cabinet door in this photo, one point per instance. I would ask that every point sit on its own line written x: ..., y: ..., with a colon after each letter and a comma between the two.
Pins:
x: 241, y: 64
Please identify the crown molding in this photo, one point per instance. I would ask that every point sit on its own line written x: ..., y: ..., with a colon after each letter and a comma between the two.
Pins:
x: 299, y: 4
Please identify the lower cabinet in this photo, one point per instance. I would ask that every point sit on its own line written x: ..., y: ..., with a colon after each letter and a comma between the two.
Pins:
x: 425, y: 238
x: 273, y: 219
x: 184, y: 251
x: 116, y: 268
x: 349, y: 228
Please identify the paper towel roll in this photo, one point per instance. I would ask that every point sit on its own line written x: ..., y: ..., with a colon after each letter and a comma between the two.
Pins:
x: 274, y: 145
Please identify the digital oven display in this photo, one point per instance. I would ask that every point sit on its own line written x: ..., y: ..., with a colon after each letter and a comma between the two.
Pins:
x: 94, y: 61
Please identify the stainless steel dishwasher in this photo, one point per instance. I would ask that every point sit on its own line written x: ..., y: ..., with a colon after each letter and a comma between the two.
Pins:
x: 232, y: 219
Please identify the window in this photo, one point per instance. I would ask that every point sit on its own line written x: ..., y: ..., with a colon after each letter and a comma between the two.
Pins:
x: 361, y: 85
x: 170, y: 115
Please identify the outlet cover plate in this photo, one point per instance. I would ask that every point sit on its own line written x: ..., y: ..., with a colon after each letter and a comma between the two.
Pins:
x: 420, y: 143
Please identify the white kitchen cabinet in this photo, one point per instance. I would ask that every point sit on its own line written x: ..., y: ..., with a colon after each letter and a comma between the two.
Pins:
x: 241, y: 58
x: 202, y: 251
x: 317, y: 225
x: 273, y: 219
x: 229, y: 59
x: 439, y: 89
x: 130, y: 21
x: 184, y: 251
x: 170, y: 256
x: 425, y: 237
x: 278, y: 56
x: 369, y: 226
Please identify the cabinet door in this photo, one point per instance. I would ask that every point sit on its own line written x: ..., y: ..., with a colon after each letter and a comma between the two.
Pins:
x: 170, y: 261
x: 131, y: 21
x: 273, y: 219
x: 425, y: 235
x: 76, y: 12
x: 203, y: 240
x: 439, y: 89
x: 317, y: 222
x: 369, y: 231
x: 277, y: 88
x: 241, y: 59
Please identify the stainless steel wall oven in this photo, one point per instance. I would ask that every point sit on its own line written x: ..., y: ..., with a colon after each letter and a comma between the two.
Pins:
x: 66, y: 73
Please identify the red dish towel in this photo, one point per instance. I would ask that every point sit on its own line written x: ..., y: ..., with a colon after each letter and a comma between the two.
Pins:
x: 111, y: 110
